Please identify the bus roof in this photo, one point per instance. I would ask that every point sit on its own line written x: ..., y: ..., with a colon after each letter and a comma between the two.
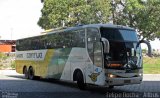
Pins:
x: 65, y: 29
x: 108, y: 26
x: 90, y: 25
x: 93, y: 25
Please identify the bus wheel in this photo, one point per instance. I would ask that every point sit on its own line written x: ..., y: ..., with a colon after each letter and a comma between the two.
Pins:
x: 80, y: 81
x: 111, y: 87
x: 31, y: 73
x: 25, y: 72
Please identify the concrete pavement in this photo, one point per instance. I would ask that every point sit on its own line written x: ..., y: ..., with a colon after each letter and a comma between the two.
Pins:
x: 146, y: 77
x: 151, y: 82
x: 12, y: 82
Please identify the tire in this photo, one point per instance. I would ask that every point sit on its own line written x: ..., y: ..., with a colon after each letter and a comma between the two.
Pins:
x: 25, y: 72
x: 111, y: 87
x: 80, y: 81
x: 31, y: 73
x: 37, y: 77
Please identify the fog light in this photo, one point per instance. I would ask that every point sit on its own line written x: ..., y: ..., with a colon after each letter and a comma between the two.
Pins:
x: 111, y: 76
x: 140, y: 74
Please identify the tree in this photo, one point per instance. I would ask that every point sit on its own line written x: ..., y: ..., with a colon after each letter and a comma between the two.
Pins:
x: 143, y: 15
x: 59, y: 13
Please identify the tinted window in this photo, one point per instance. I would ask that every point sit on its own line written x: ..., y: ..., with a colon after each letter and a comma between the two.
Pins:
x: 55, y: 40
x: 78, y: 38
x: 119, y: 34
x: 94, y: 46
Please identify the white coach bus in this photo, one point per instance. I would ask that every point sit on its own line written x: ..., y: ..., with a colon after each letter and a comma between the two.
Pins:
x: 98, y: 54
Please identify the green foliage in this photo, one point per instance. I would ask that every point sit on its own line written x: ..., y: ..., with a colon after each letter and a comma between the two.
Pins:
x: 142, y: 15
x: 3, y: 56
x: 151, y: 65
x: 144, y: 51
x: 59, y: 13
x: 13, y: 65
x: 7, y: 61
x: 1, y: 66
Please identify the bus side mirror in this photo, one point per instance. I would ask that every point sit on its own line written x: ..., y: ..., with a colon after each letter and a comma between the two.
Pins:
x: 106, y: 45
x: 148, y: 45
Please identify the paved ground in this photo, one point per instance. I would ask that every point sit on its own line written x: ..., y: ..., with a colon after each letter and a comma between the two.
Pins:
x: 151, y: 77
x: 13, y: 85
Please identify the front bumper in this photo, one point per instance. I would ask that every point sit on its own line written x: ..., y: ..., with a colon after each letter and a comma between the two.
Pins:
x: 123, y: 81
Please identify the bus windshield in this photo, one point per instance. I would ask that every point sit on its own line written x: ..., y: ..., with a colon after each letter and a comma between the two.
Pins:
x: 119, y: 34
x: 123, y: 51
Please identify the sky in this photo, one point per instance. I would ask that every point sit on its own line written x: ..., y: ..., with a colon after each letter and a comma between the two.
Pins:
x: 154, y: 45
x: 18, y: 19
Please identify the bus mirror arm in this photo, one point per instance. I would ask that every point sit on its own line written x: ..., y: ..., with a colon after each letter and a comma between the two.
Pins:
x: 148, y: 45
x: 105, y: 45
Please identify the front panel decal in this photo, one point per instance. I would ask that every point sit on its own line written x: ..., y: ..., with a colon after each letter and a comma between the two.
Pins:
x: 94, y: 76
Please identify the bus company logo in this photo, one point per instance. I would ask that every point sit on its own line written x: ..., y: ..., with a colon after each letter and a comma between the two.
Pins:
x: 19, y: 55
x: 94, y: 76
x: 31, y: 55
x: 34, y: 55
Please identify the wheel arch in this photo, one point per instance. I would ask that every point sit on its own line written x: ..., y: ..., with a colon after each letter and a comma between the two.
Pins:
x: 31, y: 72
x: 75, y: 73
x: 24, y: 68
x: 32, y: 68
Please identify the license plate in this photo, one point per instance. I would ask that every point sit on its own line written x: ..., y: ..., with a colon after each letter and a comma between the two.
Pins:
x: 127, y: 81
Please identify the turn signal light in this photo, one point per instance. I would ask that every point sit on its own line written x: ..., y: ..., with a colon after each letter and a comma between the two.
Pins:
x: 115, y: 65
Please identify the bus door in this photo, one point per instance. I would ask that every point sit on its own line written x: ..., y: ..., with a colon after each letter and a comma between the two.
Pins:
x: 94, y: 48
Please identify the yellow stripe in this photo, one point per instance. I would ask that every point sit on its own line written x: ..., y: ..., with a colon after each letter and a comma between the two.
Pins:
x: 40, y: 67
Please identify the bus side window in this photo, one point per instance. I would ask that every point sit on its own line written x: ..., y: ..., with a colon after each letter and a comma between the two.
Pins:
x: 48, y: 44
x: 94, y: 46
x: 78, y: 38
x: 67, y: 39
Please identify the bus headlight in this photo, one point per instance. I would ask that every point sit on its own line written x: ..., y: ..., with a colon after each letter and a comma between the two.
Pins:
x: 111, y: 76
x: 140, y: 74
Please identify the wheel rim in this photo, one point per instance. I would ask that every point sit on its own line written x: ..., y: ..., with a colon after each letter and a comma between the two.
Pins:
x: 80, y: 81
x: 31, y: 73
x: 25, y: 73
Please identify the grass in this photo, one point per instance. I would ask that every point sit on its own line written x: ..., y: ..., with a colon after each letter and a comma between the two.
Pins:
x: 151, y: 65
x: 7, y: 61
